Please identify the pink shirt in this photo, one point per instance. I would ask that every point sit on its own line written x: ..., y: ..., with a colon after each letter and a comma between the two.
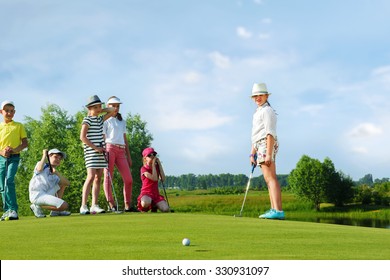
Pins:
x: 148, y: 186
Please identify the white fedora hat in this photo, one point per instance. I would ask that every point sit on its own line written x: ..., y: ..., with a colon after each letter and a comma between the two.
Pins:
x: 259, y: 89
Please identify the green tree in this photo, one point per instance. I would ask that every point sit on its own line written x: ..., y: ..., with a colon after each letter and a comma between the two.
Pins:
x: 307, y: 180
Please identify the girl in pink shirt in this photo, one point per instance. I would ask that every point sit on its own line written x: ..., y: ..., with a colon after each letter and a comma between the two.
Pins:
x: 151, y: 172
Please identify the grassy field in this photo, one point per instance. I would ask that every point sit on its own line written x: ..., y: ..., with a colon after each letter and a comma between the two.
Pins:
x: 157, y: 236
x: 258, y: 202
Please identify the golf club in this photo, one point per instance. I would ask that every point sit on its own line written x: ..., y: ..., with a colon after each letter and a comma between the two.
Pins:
x: 163, y: 186
x: 247, y: 187
x: 107, y: 156
x: 48, y: 160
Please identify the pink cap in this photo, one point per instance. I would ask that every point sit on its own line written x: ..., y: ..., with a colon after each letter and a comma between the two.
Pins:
x: 148, y: 151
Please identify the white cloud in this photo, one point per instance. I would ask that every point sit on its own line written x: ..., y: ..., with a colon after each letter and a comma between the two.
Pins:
x: 243, y: 33
x: 365, y: 130
x: 179, y: 119
x: 312, y: 109
x: 258, y: 2
x: 264, y: 36
x: 266, y: 20
x: 192, y: 77
x: 360, y: 150
x: 204, y: 147
x: 220, y: 60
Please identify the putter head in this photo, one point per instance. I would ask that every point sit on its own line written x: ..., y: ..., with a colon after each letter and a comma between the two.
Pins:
x: 237, y: 216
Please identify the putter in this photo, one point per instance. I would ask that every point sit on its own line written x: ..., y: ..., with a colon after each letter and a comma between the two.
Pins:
x: 247, y: 188
x: 117, y: 211
x: 165, y: 192
x: 48, y: 160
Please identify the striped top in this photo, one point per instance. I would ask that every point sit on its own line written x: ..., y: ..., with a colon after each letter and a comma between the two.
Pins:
x: 93, y: 159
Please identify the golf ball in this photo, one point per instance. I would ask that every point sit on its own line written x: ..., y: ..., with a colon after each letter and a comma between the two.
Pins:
x: 186, y: 242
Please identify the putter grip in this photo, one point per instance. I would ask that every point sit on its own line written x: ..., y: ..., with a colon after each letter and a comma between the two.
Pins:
x: 48, y: 160
x: 254, y: 165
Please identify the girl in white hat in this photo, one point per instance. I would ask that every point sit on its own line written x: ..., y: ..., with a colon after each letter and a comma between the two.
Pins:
x: 265, y: 147
x: 117, y: 147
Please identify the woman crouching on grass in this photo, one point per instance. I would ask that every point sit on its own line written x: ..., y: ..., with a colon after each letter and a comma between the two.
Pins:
x: 151, y: 172
x: 265, y: 145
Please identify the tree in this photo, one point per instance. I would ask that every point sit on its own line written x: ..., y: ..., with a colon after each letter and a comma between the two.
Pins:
x: 307, y: 180
x: 366, y: 180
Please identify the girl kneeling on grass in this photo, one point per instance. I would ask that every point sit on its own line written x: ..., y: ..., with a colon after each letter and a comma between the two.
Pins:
x: 151, y: 172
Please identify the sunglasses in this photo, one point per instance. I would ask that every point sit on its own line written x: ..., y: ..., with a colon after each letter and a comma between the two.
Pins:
x: 151, y: 155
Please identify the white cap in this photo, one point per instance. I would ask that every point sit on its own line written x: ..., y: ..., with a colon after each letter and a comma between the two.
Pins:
x: 56, y: 151
x: 6, y: 102
x: 114, y: 100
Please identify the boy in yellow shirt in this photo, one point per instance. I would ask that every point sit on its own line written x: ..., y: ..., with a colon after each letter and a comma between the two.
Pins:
x: 13, y: 139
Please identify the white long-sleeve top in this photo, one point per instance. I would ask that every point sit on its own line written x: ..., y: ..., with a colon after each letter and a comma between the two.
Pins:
x: 264, y: 123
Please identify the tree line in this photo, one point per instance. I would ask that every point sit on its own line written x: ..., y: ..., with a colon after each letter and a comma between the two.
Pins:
x: 311, y: 180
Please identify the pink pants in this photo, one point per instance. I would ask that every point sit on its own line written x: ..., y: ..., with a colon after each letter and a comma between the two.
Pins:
x: 117, y: 157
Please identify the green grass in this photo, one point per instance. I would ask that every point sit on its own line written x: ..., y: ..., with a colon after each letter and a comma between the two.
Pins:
x: 213, y: 237
x: 258, y: 202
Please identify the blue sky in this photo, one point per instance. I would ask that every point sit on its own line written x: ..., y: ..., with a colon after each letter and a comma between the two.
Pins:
x: 187, y: 67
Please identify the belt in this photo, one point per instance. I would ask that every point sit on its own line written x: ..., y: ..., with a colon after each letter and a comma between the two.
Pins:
x: 118, y: 145
x: 12, y: 156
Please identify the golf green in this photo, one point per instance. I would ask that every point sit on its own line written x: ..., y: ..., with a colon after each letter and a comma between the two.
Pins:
x: 159, y: 236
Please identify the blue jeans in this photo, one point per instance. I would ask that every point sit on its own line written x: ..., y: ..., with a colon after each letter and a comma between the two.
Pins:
x: 8, y: 169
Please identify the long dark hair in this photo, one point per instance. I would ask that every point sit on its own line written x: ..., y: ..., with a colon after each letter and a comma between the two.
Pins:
x: 118, y: 115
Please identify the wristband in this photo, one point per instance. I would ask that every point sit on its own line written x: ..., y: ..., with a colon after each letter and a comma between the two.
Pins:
x: 252, y: 155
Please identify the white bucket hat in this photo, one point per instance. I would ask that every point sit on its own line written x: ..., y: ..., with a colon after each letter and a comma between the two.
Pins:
x: 114, y: 100
x: 259, y: 89
x: 56, y: 151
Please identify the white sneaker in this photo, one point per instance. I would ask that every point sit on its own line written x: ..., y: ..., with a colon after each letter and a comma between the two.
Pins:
x: 59, y: 213
x: 95, y: 209
x: 13, y: 215
x: 5, y: 215
x: 37, y: 210
x: 84, y: 210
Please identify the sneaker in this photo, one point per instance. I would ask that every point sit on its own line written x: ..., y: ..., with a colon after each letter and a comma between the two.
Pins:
x: 112, y: 209
x: 84, y: 210
x: 13, y: 215
x: 5, y: 215
x: 37, y: 210
x: 95, y: 209
x: 274, y: 215
x: 59, y: 213
x: 132, y: 209
x: 263, y: 216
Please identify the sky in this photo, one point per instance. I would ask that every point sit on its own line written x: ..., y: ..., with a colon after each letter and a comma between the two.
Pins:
x: 187, y: 68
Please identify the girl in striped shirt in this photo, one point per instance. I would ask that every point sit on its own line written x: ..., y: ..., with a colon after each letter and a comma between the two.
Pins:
x: 92, y: 137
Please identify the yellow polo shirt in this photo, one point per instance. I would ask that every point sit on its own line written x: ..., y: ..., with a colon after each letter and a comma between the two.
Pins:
x: 11, y: 134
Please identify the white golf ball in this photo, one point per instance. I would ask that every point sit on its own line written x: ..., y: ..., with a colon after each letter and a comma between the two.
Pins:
x: 186, y: 242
